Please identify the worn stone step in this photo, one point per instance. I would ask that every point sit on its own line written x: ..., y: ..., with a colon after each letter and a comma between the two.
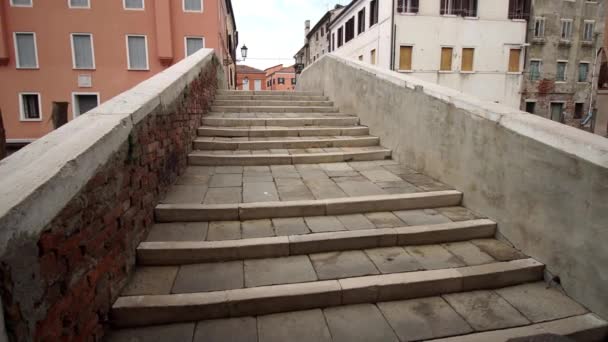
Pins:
x: 289, y: 97
x: 282, y: 131
x: 161, y: 309
x: 273, y: 109
x: 246, y: 157
x: 327, y: 121
x: 431, y: 318
x: 336, y: 206
x: 186, y: 252
x: 273, y: 103
x: 268, y: 144
x: 269, y: 92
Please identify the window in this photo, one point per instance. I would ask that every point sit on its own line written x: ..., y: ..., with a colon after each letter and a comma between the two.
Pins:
x: 514, y: 60
x: 519, y: 9
x: 560, y: 74
x: 361, y: 21
x: 468, y: 58
x: 194, y: 44
x: 340, y: 37
x: 469, y: 8
x: 25, y: 50
x: 405, y: 58
x: 83, y: 56
x: 133, y: 4
x: 557, y: 110
x: 281, y: 80
x: 350, y: 30
x: 566, y: 32
x: 531, y: 107
x: 361, y: 57
x: 193, y: 5
x: 333, y: 42
x: 579, y: 109
x: 583, y: 72
x: 539, y: 27
x: 407, y: 6
x: 137, y: 52
x: 588, y: 31
x: 293, y: 81
x: 317, y: 36
x: 373, y: 13
x: 372, y: 56
x: 79, y: 4
x: 84, y: 102
x: 465, y: 8
x: 21, y: 3
x: 29, y: 104
x: 446, y: 59
x: 535, y: 69
x: 322, y: 31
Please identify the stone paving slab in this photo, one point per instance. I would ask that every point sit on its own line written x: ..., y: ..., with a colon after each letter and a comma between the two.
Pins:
x: 241, y: 329
x: 195, y: 231
x: 209, y: 277
x: 293, y: 269
x: 363, y: 323
x: 182, y: 332
x: 298, y: 326
x: 151, y: 280
x: 337, y: 265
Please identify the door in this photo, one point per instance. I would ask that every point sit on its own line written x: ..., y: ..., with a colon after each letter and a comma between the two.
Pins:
x: 84, y: 103
x: 556, y: 111
x: 246, y: 84
x: 257, y: 85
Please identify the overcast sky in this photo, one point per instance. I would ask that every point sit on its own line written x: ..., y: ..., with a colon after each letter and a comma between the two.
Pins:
x: 273, y: 30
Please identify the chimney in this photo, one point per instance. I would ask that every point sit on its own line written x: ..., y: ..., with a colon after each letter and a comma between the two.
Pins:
x: 306, y: 27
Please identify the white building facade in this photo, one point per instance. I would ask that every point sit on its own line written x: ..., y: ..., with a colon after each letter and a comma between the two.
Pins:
x: 474, y: 46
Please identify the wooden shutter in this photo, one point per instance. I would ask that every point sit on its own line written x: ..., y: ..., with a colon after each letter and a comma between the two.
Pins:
x: 512, y: 9
x: 405, y: 58
x: 443, y: 6
x: 527, y: 5
x: 457, y: 6
x: 514, y: 58
x: 467, y: 59
x: 446, y: 59
x: 415, y: 6
x: 373, y: 56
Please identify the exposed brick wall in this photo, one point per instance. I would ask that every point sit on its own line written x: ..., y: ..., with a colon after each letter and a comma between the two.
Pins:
x: 61, y: 286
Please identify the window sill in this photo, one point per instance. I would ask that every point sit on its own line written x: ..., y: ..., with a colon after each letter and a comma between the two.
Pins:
x: 195, y: 12
x: 408, y: 13
x: 449, y: 15
x: 138, y: 69
x: 565, y: 43
x: 80, y: 8
x: 471, y: 18
x: 445, y: 71
x: 538, y: 40
x: 405, y: 71
x: 561, y: 82
x: 467, y: 72
x: 135, y: 9
x: 28, y: 68
x: 30, y: 120
x: 519, y: 20
x: 84, y: 69
x: 514, y: 73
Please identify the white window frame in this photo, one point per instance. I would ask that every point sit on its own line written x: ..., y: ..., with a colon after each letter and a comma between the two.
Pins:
x: 542, y: 22
x: 592, y: 23
x: 22, y: 114
x: 531, y: 101
x: 186, y: 43
x: 88, y: 6
x: 143, y: 6
x: 17, y: 5
x: 191, y: 11
x: 129, y: 57
x: 76, y: 93
x: 540, y: 67
x: 565, y: 71
x: 561, y: 30
x: 579, y: 70
x: 17, y: 50
x: 74, y: 52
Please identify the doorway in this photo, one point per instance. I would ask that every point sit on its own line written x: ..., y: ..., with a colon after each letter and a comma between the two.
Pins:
x: 84, y: 102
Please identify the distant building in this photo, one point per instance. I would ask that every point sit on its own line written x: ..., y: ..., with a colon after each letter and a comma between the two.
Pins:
x: 281, y: 78
x: 86, y: 51
x: 249, y: 78
x: 476, y: 47
x: 600, y: 120
x: 316, y: 40
x: 564, y: 39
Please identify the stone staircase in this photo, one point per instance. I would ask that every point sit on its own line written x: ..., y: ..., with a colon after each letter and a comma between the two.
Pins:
x: 292, y: 223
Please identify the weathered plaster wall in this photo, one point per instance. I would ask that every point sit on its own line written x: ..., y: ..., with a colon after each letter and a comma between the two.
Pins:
x: 545, y: 184
x: 77, y: 202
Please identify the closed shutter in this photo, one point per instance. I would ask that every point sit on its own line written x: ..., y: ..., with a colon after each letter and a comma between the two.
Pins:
x: 446, y: 59
x: 193, y: 5
x: 134, y: 4
x: 467, y: 59
x: 138, y: 59
x: 373, y: 56
x: 415, y: 6
x: 83, y: 51
x: 193, y: 45
x: 514, y: 58
x: 512, y: 9
x: 405, y: 58
x: 79, y: 3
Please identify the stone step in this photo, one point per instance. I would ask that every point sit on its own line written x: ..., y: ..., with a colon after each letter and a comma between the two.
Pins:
x: 144, y: 310
x: 434, y: 318
x: 277, y: 131
x: 165, y: 253
x: 269, y: 92
x: 273, y: 103
x: 284, y: 143
x: 273, y: 109
x: 271, y: 98
x: 336, y: 206
x: 328, y: 121
x: 247, y: 158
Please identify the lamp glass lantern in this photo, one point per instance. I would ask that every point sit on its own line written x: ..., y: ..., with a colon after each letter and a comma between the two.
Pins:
x: 244, y: 50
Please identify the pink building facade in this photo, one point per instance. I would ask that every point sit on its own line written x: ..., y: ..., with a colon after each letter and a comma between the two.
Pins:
x: 87, y: 51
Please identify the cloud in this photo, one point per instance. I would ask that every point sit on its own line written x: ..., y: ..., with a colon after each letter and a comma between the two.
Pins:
x: 273, y: 30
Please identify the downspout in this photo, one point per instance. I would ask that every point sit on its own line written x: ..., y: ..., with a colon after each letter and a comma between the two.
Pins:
x: 393, y: 37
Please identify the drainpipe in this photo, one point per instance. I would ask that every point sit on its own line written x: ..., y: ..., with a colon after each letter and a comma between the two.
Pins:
x: 393, y: 37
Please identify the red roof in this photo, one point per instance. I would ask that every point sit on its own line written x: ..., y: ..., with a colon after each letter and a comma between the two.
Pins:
x: 246, y: 69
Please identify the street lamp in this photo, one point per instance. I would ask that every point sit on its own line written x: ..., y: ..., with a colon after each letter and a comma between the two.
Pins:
x: 244, y: 50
